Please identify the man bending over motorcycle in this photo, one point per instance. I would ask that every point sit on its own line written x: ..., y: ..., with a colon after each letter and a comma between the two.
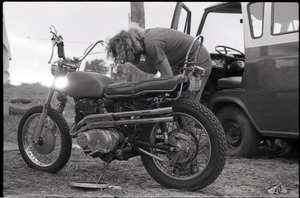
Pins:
x: 164, y: 51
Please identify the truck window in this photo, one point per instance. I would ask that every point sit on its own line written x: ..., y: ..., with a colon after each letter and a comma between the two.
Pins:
x: 256, y: 19
x: 285, y: 18
x: 223, y: 29
x: 182, y: 18
x: 182, y: 26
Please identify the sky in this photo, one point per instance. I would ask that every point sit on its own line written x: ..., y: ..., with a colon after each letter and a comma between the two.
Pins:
x: 80, y: 24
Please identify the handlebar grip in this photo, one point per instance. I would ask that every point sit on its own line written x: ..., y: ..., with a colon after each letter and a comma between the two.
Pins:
x: 60, y: 50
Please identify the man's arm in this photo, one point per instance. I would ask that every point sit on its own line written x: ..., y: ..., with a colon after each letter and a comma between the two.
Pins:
x: 146, y: 68
x: 163, y: 67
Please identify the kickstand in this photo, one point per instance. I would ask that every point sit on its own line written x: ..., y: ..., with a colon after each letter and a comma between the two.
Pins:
x: 102, y: 173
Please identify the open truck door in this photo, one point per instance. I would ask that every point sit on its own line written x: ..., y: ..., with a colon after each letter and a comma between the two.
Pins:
x: 182, y: 20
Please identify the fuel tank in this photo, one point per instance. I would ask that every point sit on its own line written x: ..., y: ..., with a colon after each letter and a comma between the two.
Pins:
x: 87, y: 84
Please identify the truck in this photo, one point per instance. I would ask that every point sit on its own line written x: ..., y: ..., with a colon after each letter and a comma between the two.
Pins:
x: 253, y: 88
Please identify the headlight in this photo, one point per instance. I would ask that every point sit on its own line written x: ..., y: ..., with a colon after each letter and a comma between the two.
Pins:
x: 60, y: 82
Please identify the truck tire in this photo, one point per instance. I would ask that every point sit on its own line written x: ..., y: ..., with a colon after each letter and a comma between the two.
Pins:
x: 242, y: 138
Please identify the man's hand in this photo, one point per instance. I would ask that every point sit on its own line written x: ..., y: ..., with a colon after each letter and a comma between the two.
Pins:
x: 165, y: 69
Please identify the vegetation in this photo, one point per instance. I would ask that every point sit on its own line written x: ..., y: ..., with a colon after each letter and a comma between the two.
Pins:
x: 97, y: 65
x: 119, y: 73
x: 128, y: 73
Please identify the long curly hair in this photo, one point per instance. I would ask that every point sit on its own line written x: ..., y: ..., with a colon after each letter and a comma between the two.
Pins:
x: 127, y: 46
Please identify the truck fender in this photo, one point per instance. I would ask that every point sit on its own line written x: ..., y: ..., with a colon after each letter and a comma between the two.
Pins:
x: 219, y: 101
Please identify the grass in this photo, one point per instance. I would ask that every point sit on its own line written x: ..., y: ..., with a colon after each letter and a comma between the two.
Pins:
x: 38, y: 94
x: 33, y: 91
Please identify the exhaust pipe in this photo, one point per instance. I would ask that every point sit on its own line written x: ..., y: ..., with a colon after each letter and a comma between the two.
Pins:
x: 112, y: 116
x: 122, y: 118
x: 103, y: 124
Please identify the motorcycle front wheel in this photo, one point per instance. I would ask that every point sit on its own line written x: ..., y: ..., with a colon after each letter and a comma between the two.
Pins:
x: 55, y: 144
x: 201, y: 148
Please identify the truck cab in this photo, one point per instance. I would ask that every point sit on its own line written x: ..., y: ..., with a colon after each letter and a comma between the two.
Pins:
x: 254, y: 84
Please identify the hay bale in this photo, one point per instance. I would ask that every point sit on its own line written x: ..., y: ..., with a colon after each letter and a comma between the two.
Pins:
x: 21, y: 100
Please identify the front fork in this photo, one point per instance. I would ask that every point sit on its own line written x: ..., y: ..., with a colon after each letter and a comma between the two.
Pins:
x: 62, y: 98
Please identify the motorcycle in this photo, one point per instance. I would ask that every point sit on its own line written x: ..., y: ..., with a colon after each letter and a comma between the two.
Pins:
x: 180, y: 142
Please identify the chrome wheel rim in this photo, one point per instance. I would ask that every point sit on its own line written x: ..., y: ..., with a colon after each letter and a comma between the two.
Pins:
x: 47, y: 152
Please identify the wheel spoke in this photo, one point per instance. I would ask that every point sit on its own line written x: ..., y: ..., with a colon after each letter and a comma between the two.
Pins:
x: 189, y: 132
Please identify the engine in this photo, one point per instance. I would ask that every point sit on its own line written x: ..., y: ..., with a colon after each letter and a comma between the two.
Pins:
x: 99, y: 141
x: 96, y: 140
x: 84, y: 107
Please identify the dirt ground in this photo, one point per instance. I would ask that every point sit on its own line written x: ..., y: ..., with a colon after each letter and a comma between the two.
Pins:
x: 241, y: 177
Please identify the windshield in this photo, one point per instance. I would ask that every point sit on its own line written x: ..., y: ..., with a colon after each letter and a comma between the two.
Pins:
x: 223, y: 29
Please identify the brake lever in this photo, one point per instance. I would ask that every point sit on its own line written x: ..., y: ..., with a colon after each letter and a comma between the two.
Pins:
x: 53, y: 45
x: 54, y: 40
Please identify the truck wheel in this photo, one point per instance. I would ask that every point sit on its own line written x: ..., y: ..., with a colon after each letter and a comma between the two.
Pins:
x: 242, y: 138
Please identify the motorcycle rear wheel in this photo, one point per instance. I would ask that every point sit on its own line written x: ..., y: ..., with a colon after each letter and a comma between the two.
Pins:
x: 56, y: 144
x: 203, y: 140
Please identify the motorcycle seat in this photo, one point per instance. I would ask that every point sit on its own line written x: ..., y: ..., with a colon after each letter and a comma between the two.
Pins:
x: 134, y: 89
x: 230, y: 82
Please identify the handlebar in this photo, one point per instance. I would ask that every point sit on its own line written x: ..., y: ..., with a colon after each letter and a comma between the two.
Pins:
x: 60, y: 48
x: 63, y: 61
x: 59, y: 42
